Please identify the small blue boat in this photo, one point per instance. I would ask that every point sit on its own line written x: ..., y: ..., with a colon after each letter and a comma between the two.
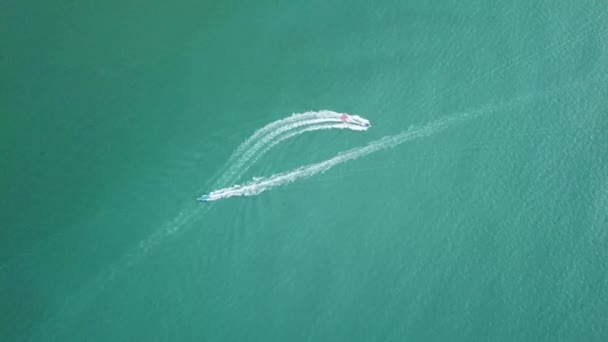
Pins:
x: 204, y: 198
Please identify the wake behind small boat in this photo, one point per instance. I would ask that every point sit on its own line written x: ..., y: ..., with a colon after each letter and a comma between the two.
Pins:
x: 270, y: 135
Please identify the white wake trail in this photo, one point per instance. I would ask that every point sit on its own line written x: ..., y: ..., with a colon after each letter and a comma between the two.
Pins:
x: 253, y: 144
x: 260, y: 185
x: 296, y: 117
x: 249, y: 154
x: 293, y: 134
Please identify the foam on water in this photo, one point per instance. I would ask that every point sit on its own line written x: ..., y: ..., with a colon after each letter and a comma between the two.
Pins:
x: 260, y: 184
x: 272, y: 127
x: 264, y: 142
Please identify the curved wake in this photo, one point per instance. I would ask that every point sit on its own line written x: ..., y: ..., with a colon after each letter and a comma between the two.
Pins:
x: 264, y: 144
x: 259, y: 185
x: 265, y: 138
x: 307, y: 129
x: 296, y: 124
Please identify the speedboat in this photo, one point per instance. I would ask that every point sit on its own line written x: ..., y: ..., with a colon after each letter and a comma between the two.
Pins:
x: 355, y: 119
x: 204, y: 198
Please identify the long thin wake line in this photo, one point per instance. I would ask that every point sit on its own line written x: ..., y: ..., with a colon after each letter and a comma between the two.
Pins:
x: 260, y: 185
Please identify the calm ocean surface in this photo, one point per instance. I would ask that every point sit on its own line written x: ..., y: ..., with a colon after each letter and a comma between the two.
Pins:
x: 474, y: 209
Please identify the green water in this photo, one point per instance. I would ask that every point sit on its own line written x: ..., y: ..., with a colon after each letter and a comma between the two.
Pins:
x: 115, y: 116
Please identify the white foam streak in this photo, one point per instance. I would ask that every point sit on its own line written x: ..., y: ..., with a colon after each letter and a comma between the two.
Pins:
x: 260, y: 185
x: 296, y: 117
x: 248, y: 150
x: 292, y: 134
x: 274, y: 134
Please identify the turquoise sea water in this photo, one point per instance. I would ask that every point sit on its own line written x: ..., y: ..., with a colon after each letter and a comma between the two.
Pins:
x: 116, y: 116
